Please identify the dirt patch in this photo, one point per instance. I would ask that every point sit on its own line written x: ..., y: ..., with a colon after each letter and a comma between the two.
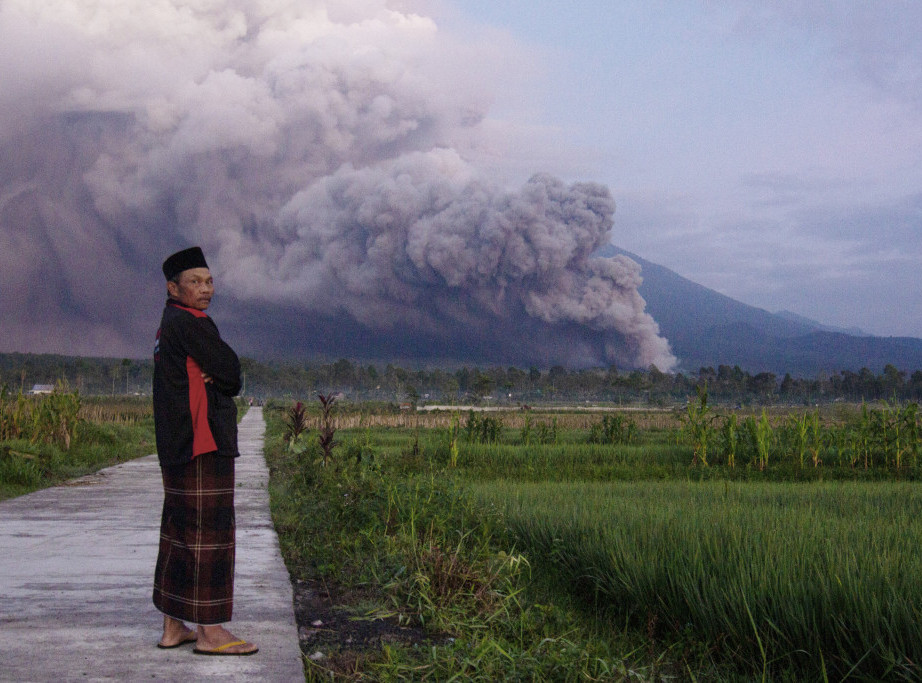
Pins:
x: 334, y: 633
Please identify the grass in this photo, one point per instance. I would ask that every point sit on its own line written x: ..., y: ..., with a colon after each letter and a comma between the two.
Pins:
x: 777, y: 577
x: 385, y: 522
x: 109, y: 431
x: 575, y: 560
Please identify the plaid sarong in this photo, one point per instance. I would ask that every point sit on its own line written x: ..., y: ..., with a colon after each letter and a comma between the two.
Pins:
x: 194, y: 577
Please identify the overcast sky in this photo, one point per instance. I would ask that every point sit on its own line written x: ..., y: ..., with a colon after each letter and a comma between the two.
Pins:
x: 770, y: 151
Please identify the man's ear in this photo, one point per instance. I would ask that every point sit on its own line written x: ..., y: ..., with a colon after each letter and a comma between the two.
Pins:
x: 172, y: 289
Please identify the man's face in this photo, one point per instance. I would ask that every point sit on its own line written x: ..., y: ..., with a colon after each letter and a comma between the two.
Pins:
x: 194, y: 289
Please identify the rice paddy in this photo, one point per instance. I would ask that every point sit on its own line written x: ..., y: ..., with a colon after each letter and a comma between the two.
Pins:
x: 779, y: 577
x: 792, y: 556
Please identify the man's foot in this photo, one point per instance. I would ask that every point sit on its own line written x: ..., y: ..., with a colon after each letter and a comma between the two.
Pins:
x: 217, y: 640
x: 175, y: 633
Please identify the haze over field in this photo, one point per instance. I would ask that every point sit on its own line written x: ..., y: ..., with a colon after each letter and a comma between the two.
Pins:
x: 374, y: 178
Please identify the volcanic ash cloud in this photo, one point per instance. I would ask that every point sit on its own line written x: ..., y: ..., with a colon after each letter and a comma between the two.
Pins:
x: 324, y: 155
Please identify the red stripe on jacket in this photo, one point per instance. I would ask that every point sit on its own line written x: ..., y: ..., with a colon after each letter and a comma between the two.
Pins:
x: 202, y: 438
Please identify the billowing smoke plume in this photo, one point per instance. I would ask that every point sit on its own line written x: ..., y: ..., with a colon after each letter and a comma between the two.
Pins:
x: 319, y: 152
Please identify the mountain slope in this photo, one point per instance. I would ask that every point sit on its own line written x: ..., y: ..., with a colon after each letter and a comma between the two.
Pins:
x: 706, y: 328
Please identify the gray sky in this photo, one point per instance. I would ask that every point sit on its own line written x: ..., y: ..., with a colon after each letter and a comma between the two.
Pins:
x: 770, y: 151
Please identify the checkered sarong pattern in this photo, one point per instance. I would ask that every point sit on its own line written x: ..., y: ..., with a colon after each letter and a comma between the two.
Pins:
x: 194, y: 576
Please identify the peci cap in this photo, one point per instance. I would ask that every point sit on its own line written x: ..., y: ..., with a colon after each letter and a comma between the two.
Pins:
x: 184, y: 260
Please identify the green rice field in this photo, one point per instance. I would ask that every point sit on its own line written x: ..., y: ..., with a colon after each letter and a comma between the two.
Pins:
x: 789, y: 552
x: 812, y: 577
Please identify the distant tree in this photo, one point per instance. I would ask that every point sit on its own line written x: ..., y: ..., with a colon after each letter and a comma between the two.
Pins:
x: 483, y: 384
x: 763, y: 384
x: 126, y: 369
x: 395, y: 376
x: 892, y: 380
x: 450, y: 386
x: 915, y: 386
x: 342, y: 372
x: 788, y: 385
x: 464, y: 377
x: 515, y: 379
x: 706, y: 375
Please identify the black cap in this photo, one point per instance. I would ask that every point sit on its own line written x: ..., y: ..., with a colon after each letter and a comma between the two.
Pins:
x: 184, y: 260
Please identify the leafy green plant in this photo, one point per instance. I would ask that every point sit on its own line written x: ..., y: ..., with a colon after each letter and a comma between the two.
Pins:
x: 761, y: 437
x: 451, y: 437
x: 295, y: 424
x: 698, y: 423
x: 613, y: 429
x: 526, y: 430
x: 547, y: 433
x: 482, y: 428
x: 814, y: 438
x: 47, y: 441
x: 711, y: 567
x: 326, y: 437
x: 799, y: 426
x: 51, y: 419
x: 729, y: 436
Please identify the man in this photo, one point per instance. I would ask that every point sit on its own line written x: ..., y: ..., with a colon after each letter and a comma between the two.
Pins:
x: 196, y: 376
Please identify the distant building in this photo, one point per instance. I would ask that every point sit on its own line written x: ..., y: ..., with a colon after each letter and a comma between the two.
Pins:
x: 41, y: 389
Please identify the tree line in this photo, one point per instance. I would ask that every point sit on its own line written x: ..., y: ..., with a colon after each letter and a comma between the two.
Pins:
x: 390, y: 382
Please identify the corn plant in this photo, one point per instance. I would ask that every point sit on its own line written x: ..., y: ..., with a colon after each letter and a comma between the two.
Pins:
x: 730, y: 438
x: 482, y: 428
x: 911, y: 426
x: 52, y: 419
x: 453, y: 431
x: 64, y: 408
x: 799, y: 427
x: 526, y: 431
x: 547, y: 433
x: 15, y: 416
x: 760, y: 434
x: 698, y: 423
x: 7, y: 419
x: 864, y: 435
x: 899, y: 432
x: 614, y: 429
x: 814, y: 437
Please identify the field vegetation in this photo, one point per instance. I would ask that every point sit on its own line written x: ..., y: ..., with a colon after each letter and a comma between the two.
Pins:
x: 701, y: 543
x: 48, y: 439
x: 390, y: 383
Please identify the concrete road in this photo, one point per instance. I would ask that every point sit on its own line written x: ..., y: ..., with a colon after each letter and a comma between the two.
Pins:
x: 76, y: 568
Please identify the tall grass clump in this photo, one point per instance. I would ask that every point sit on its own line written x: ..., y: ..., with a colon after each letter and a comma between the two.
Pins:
x: 882, y: 438
x: 49, y: 419
x: 781, y: 580
x: 45, y: 440
x: 398, y: 531
x: 613, y: 429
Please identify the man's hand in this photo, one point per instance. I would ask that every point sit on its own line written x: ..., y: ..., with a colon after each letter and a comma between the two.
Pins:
x: 207, y: 378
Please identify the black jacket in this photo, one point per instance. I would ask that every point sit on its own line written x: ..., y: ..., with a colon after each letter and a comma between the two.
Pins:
x: 191, y: 417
